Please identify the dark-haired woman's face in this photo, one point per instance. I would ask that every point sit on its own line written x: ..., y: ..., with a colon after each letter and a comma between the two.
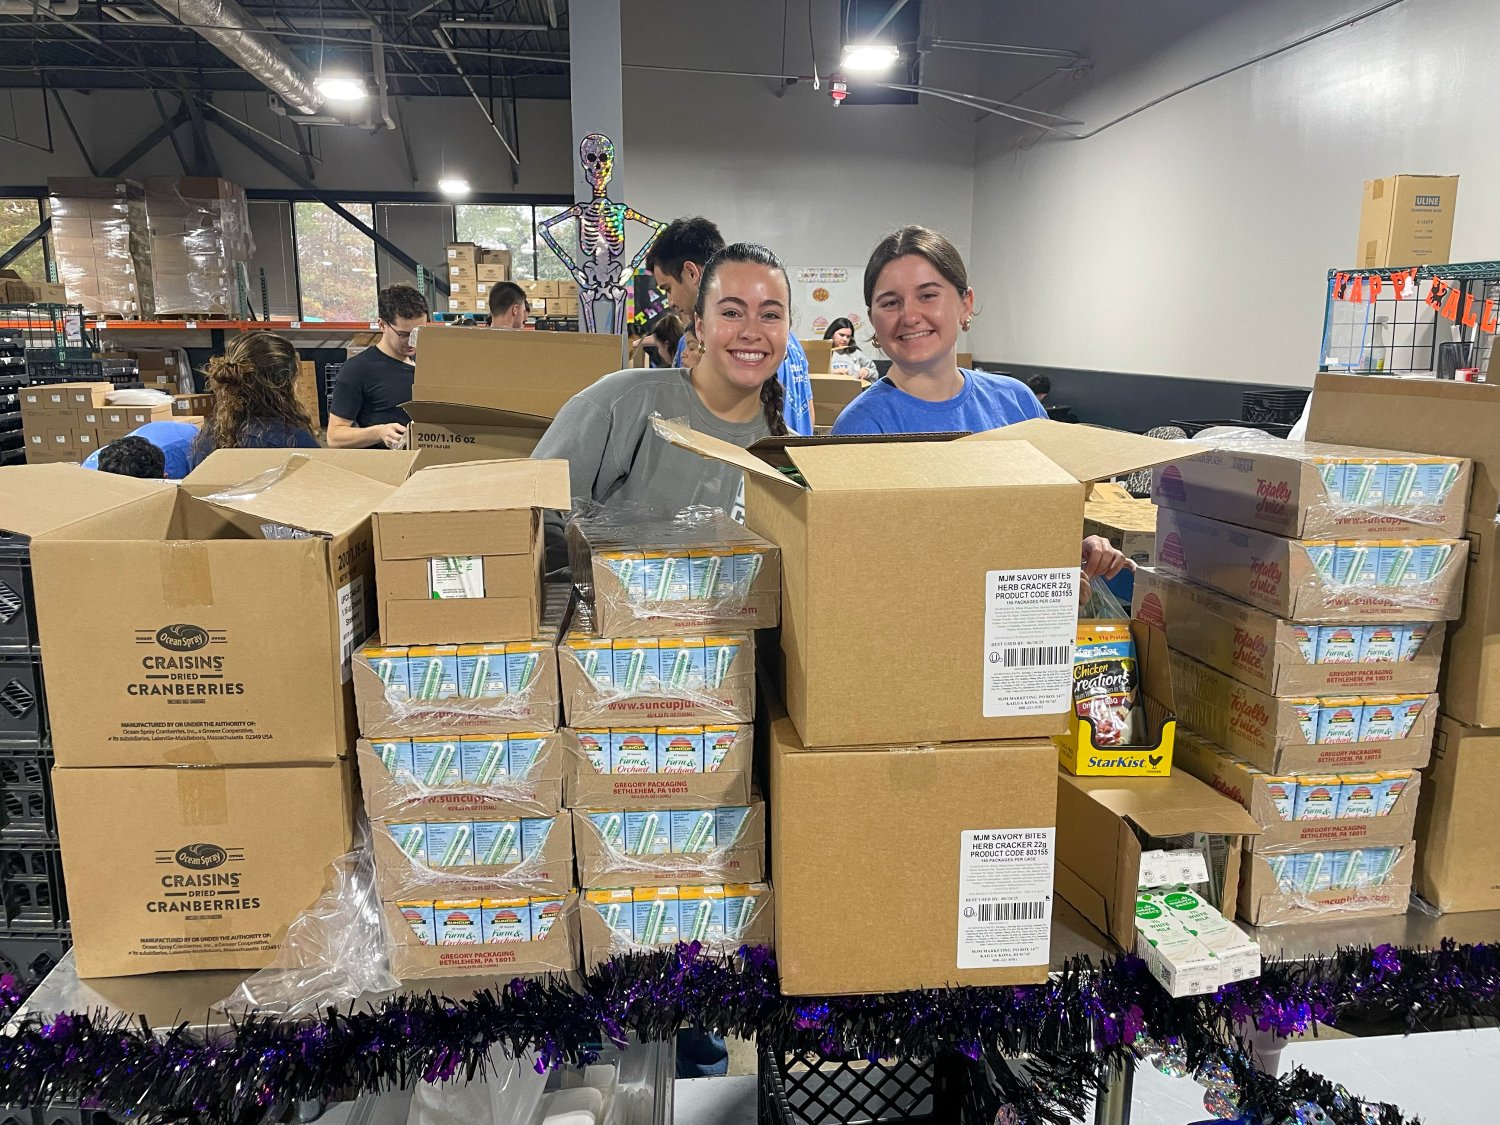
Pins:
x: 745, y: 322
x: 843, y: 337
x: 916, y: 312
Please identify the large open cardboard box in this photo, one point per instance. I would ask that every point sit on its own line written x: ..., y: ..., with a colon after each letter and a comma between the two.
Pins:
x: 1458, y: 840
x: 1100, y: 823
x: 916, y: 866
x: 527, y: 372
x: 978, y: 545
x: 230, y: 643
x: 447, y: 433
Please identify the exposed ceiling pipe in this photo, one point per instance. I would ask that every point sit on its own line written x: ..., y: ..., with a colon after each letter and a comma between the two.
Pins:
x: 489, y: 25
x: 32, y: 7
x: 382, y: 86
x: 244, y: 39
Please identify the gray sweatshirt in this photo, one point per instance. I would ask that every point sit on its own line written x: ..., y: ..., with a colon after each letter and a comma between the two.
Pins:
x: 617, y: 460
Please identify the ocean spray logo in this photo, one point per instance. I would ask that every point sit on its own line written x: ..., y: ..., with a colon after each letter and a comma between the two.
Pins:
x: 200, y: 857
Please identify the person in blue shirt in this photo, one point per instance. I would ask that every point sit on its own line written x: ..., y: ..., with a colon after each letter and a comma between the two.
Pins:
x: 919, y: 300
x: 255, y: 401
x: 174, y: 439
x: 676, y: 259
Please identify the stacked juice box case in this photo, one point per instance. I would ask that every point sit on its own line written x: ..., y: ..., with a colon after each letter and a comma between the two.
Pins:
x: 657, y: 670
x: 1304, y: 591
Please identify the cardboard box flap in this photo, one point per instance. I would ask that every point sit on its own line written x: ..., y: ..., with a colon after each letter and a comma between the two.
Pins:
x: 897, y: 465
x: 305, y: 495
x: 1091, y: 452
x: 1169, y: 806
x: 429, y: 412
x: 225, y: 468
x: 679, y: 433
x: 36, y: 499
x: 484, y: 486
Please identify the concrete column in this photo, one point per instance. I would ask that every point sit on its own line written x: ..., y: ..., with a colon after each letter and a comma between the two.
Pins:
x: 594, y: 47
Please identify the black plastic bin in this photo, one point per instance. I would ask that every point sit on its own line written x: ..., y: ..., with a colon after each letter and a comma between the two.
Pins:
x: 30, y: 957
x: 27, y: 814
x: 23, y: 708
x: 17, y: 602
x: 31, y: 889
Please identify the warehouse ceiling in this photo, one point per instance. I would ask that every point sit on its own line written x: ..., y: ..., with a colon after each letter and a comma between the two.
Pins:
x: 503, y: 48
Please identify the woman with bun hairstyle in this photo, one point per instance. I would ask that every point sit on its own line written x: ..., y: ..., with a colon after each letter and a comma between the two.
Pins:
x: 255, y: 402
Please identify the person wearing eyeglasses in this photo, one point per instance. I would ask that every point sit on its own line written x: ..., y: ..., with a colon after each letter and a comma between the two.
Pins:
x: 373, y: 386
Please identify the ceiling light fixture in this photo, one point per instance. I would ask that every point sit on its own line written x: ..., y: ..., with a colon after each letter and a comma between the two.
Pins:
x: 342, y: 87
x: 870, y: 57
x: 454, y: 187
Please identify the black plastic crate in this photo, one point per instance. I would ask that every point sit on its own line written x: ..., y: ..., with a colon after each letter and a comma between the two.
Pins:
x: 23, y: 708
x: 1283, y: 407
x: 31, y: 889
x: 64, y: 1114
x: 17, y: 602
x: 17, y: 1115
x: 807, y: 1088
x: 30, y: 957
x: 27, y: 814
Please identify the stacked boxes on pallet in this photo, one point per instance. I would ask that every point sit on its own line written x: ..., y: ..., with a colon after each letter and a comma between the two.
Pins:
x: 63, y: 421
x: 102, y: 243
x: 200, y: 241
x: 461, y: 761
x: 658, y: 684
x: 1305, y: 609
x: 472, y: 270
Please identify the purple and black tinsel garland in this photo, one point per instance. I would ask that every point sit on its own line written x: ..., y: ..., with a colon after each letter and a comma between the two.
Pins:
x: 1072, y: 1029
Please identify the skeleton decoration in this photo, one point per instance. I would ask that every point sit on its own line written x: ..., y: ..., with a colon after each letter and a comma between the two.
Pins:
x: 599, y: 268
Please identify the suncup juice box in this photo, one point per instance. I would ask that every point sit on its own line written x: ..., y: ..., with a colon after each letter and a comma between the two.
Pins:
x: 391, y: 665
x: 1395, y: 782
x: 693, y: 830
x: 681, y: 664
x: 741, y: 901
x: 523, y: 750
x: 1308, y: 712
x: 1338, y: 644
x: 497, y: 843
x: 1307, y: 637
x: 482, y: 671
x: 611, y: 826
x: 1317, y: 797
x: 679, y: 750
x: 437, y: 760
x: 729, y: 820
x: 1382, y: 719
x: 648, y: 833
x: 1360, y: 795
x: 433, y: 671
x: 617, y: 908
x: 411, y: 838
x: 505, y: 920
x: 1283, y: 792
x: 637, y: 665
x: 1356, y: 563
x: 458, y: 922
x: 717, y: 742
x: 544, y: 912
x: 450, y: 844
x: 395, y: 756
x: 421, y: 917
x: 1412, y: 637
x: 701, y: 913
x: 534, y: 833
x: 484, y: 758
x: 718, y: 658
x: 657, y: 915
x: 632, y: 750
x: 595, y: 747
x: 1339, y: 719
x: 1380, y: 644
x: 523, y: 660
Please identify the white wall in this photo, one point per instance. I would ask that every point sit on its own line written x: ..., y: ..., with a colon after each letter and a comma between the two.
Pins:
x: 1194, y: 238
x: 444, y: 132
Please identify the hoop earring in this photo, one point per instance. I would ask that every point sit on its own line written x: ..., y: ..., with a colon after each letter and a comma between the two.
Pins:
x: 965, y: 324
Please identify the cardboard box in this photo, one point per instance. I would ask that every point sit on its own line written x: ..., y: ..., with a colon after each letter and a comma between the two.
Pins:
x: 831, y: 393
x: 494, y: 272
x: 460, y: 253
x: 1264, y: 651
x: 448, y: 433
x: 137, y: 416
x: 562, y: 307
x: 211, y: 878
x: 588, y: 788
x: 904, y: 850
x: 230, y: 645
x: 1406, y: 221
x: 1243, y: 784
x: 1079, y: 750
x: 15, y: 291
x: 198, y: 405
x: 1129, y: 524
x: 546, y: 871
x: 819, y: 355
x: 403, y: 797
x: 1010, y: 520
x: 597, y: 700
x: 459, y: 551
x: 61, y: 400
x: 1471, y: 668
x: 1263, y: 903
x: 1285, y: 577
x: 1437, y: 416
x: 621, y: 569
x: 85, y: 441
x: 1105, y: 824
x: 601, y: 943
x: 557, y: 952
x: 1266, y: 730
x: 86, y: 395
x: 1304, y: 490
x: 387, y: 711
x: 526, y: 372
x: 602, y: 864
x: 1458, y: 847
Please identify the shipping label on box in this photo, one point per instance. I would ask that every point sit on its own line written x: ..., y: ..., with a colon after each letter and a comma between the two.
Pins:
x: 212, y: 878
x: 1304, y: 490
x: 1316, y: 581
x: 1315, y: 735
x: 1281, y: 658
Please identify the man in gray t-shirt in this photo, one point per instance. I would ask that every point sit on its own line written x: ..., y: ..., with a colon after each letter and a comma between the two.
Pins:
x: 618, y: 463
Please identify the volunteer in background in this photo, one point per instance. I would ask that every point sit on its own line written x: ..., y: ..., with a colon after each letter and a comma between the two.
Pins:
x: 255, y: 399
x: 374, y: 385
x: 615, y: 458
x: 131, y: 456
x: 663, y: 338
x: 173, y: 439
x: 917, y: 290
x: 507, y: 306
x: 847, y: 358
x: 676, y: 259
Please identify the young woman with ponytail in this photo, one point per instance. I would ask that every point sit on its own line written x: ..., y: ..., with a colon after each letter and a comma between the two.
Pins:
x: 616, y: 459
x: 255, y: 403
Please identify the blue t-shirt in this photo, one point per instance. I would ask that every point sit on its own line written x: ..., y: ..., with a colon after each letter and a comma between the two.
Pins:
x: 174, y: 439
x: 797, y: 403
x: 987, y: 402
x: 259, y: 435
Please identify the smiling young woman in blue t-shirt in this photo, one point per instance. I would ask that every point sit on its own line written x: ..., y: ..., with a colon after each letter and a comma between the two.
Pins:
x: 919, y: 300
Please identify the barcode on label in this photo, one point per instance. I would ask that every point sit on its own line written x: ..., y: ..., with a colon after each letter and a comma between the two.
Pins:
x: 1036, y: 657
x: 1011, y: 911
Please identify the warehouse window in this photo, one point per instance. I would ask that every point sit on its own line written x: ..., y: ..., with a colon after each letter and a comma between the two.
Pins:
x: 549, y: 266
x: 18, y: 218
x: 500, y: 226
x: 335, y: 262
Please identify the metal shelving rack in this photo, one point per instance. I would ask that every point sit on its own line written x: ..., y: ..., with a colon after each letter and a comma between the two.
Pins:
x: 1415, y: 334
